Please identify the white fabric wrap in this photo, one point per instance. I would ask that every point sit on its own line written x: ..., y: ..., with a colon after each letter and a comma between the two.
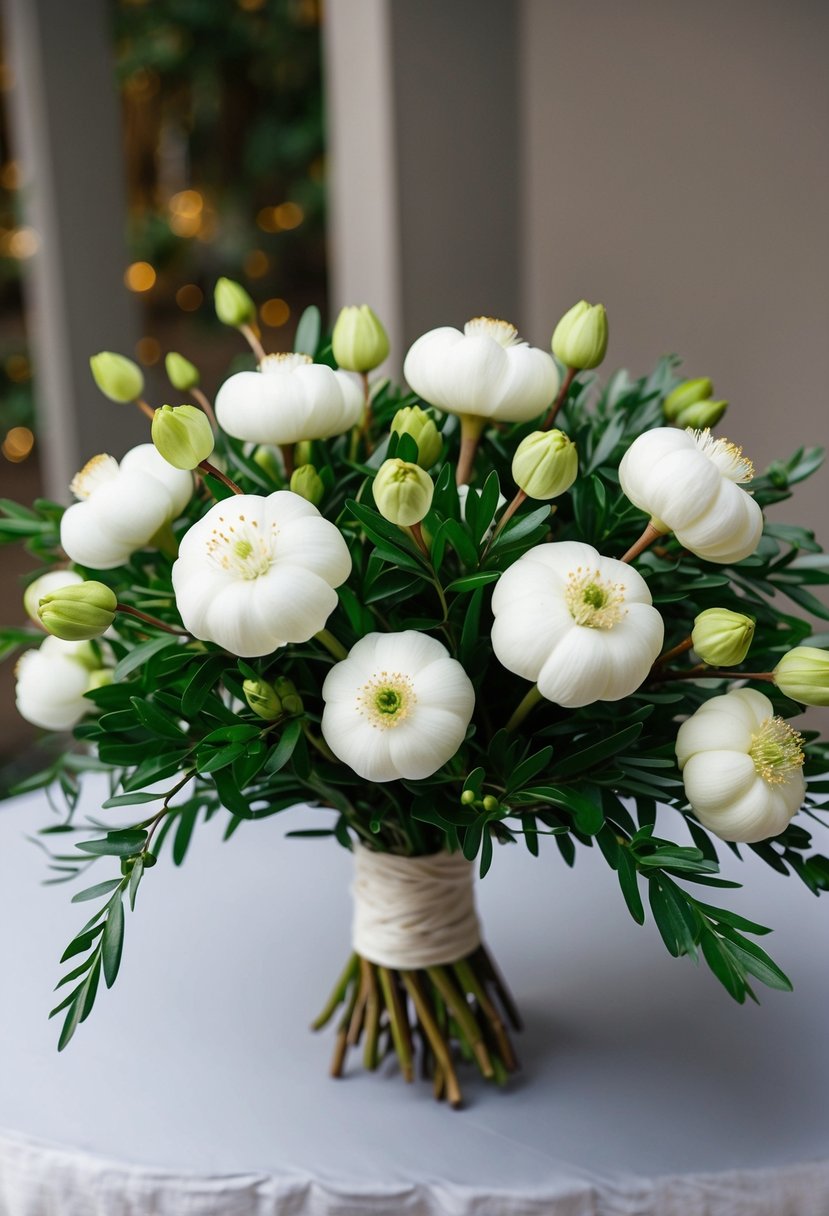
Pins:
x: 413, y: 911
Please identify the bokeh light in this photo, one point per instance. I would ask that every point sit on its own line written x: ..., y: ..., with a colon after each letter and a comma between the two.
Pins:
x: 148, y: 351
x: 139, y: 276
x: 288, y: 215
x: 189, y: 297
x: 18, y: 444
x: 274, y: 312
x: 256, y: 264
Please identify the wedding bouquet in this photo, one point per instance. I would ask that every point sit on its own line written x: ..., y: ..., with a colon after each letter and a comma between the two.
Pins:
x: 506, y: 603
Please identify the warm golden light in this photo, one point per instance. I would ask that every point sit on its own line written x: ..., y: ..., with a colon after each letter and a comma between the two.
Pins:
x: 139, y: 276
x: 17, y: 368
x: 148, y: 351
x: 10, y: 175
x: 20, y: 243
x: 274, y: 312
x: 189, y: 297
x: 288, y: 215
x: 186, y: 202
x: 18, y: 444
x: 256, y: 264
x: 251, y: 6
x: 6, y: 77
x: 266, y: 220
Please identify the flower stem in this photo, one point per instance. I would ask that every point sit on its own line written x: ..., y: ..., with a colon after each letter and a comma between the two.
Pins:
x: 287, y: 450
x: 145, y: 409
x: 647, y: 538
x: 253, y: 342
x: 674, y: 652
x: 527, y: 703
x: 509, y: 511
x: 222, y: 477
x: 365, y: 428
x: 417, y: 536
x: 560, y: 399
x: 331, y: 644
x: 151, y: 620
x: 204, y: 402
x: 702, y: 672
x: 471, y: 428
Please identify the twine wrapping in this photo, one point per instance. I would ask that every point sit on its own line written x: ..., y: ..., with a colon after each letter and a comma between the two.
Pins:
x: 413, y: 912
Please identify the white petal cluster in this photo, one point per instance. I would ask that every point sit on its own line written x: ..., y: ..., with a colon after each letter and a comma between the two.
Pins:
x: 689, y: 483
x: 289, y: 399
x: 580, y: 625
x: 256, y: 572
x: 484, y: 371
x: 398, y: 706
x: 742, y: 766
x: 122, y: 506
x: 51, y: 682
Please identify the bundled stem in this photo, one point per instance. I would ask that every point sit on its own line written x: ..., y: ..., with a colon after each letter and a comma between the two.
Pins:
x: 455, y: 1008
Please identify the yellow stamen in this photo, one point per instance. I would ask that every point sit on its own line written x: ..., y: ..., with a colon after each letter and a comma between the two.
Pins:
x: 489, y: 327
x: 386, y: 699
x: 728, y: 458
x: 777, y: 751
x: 593, y: 601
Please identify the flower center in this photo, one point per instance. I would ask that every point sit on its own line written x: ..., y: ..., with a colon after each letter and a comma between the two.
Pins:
x: 728, y: 458
x: 386, y: 699
x: 241, y: 548
x: 777, y: 750
x: 488, y: 327
x: 594, y: 601
x: 285, y: 362
x: 94, y: 474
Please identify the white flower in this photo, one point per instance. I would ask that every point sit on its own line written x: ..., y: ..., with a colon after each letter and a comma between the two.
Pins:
x: 398, y: 706
x: 255, y: 573
x: 742, y: 766
x: 582, y: 626
x: 289, y: 399
x: 485, y: 371
x: 52, y: 680
x: 688, y: 482
x: 122, y: 506
x: 48, y: 582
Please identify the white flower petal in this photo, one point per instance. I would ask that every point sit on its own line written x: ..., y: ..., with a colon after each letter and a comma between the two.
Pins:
x: 422, y: 744
x: 313, y: 543
x: 714, y: 779
x: 363, y: 748
x: 527, y: 631
x: 703, y: 732
x: 443, y: 684
x: 576, y: 673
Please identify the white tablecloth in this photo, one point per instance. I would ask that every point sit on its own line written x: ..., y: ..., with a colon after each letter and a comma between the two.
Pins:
x: 196, y: 1088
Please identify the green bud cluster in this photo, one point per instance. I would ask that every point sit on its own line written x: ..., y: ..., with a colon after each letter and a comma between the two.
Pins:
x: 403, y: 492
x: 272, y: 701
x: 722, y: 638
x: 414, y: 421
x: 691, y: 404
x: 183, y: 435
x: 580, y: 338
x: 117, y: 376
x: 359, y: 341
x: 545, y: 464
x: 307, y: 482
x: 78, y: 612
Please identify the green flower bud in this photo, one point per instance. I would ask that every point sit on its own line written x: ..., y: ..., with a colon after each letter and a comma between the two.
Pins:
x: 491, y: 804
x: 78, y: 612
x: 688, y: 392
x: 545, y: 464
x: 803, y: 675
x: 468, y: 797
x: 403, y: 492
x: 262, y: 699
x: 303, y: 452
x: 580, y: 338
x: 117, y: 376
x: 701, y: 414
x: 414, y: 421
x: 307, y: 482
x: 268, y: 463
x: 722, y: 638
x: 53, y: 580
x: 359, y: 341
x: 181, y: 373
x: 288, y: 695
x: 234, y: 306
x: 183, y: 435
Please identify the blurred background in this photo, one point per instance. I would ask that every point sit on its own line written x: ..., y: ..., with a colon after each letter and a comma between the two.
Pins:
x: 436, y: 160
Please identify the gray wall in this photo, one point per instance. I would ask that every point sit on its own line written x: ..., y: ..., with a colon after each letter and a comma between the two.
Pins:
x: 675, y: 167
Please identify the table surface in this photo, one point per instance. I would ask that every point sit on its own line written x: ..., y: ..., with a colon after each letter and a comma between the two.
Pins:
x: 199, y: 1061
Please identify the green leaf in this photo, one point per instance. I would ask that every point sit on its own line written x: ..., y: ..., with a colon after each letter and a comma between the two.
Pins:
x: 470, y: 582
x: 724, y: 965
x: 136, y: 875
x: 81, y: 942
x: 284, y: 749
x: 627, y: 873
x: 184, y: 832
x: 115, y: 844
x: 112, y: 941
x: 131, y: 799
x: 100, y: 888
x: 307, y: 337
x: 156, y: 720
x: 589, y: 757
x: 486, y: 854
x: 140, y: 654
x: 588, y: 815
x: 529, y: 768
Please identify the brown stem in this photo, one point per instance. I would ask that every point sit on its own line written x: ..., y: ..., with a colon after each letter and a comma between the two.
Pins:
x: 372, y: 1016
x: 341, y: 1044
x: 432, y: 1032
x: 253, y: 342
x: 471, y: 430
x: 701, y: 672
x: 165, y: 810
x: 365, y: 426
x: 419, y: 539
x: 398, y: 1021
x: 220, y: 476
x: 456, y: 1003
x: 674, y: 652
x: 647, y: 538
x: 287, y: 450
x: 151, y: 620
x: 509, y: 511
x: 560, y: 399
x: 338, y: 992
x: 145, y: 409
x: 356, y: 1024
x: 499, y: 984
x: 204, y: 402
x: 470, y: 983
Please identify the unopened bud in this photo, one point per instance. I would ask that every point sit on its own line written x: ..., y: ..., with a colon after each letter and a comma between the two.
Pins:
x: 580, y: 338
x: 288, y: 695
x: 803, y: 675
x: 307, y: 482
x: 403, y: 492
x: 303, y: 452
x: 117, y: 376
x: 51, y: 581
x: 701, y: 414
x: 545, y: 464
x: 233, y: 304
x: 181, y: 373
x: 414, y: 421
x: 689, y: 392
x: 722, y: 638
x: 262, y: 699
x: 78, y: 612
x: 359, y: 341
x: 468, y: 797
x: 183, y: 435
x: 491, y: 804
